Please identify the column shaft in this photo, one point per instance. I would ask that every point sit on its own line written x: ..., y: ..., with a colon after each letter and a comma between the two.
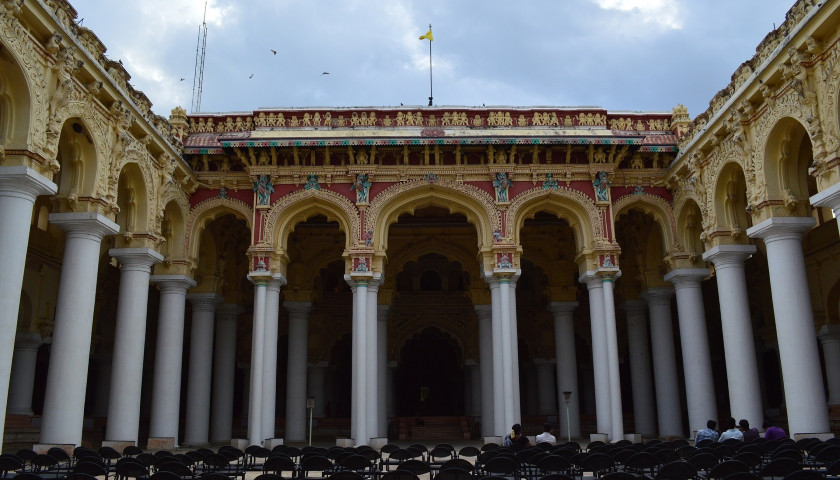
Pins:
x: 197, y: 426
x: 255, y: 434
x: 485, y: 345
x: 269, y: 400
x: 830, y: 338
x: 567, y: 376
x: 296, y: 371
x: 166, y: 389
x: 316, y: 388
x: 129, y: 342
x: 600, y: 363
x: 640, y: 371
x: 381, y: 369
x: 498, y: 362
x: 546, y: 387
x: 514, y: 354
x: 19, y: 186
x: 372, y: 360
x: 224, y: 371
x: 23, y: 373
x: 64, y: 402
x: 616, y: 412
x: 508, y: 364
x: 664, y: 361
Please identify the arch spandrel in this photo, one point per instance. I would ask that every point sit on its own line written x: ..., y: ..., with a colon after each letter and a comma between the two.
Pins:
x: 572, y: 205
x: 661, y: 211
x: 297, y: 207
x: 208, y: 211
x: 477, y: 205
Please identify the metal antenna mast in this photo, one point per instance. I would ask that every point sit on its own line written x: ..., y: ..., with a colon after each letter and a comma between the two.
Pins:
x: 198, y: 73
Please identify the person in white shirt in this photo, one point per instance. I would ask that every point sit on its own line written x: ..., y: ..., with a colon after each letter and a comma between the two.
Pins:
x: 546, y: 436
x: 731, y: 432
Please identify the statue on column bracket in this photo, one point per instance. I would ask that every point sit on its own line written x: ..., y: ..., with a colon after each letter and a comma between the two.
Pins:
x: 502, y: 183
x: 263, y: 189
x: 601, y: 185
x: 362, y: 187
x: 312, y: 182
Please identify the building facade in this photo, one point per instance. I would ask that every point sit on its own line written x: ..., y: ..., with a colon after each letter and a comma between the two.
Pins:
x: 199, y: 278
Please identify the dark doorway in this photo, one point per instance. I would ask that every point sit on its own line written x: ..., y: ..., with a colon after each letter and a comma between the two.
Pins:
x: 429, y: 378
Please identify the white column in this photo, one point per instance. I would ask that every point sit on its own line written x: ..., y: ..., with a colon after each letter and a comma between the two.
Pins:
x: 694, y: 339
x: 545, y: 386
x: 829, y: 336
x: 567, y: 376
x: 508, y: 362
x: 166, y: 390
x: 19, y: 186
x: 373, y: 357
x: 514, y: 353
x: 499, y: 425
x: 260, y: 279
x: 272, y: 312
x: 129, y: 342
x: 224, y: 371
x: 738, y: 340
x: 600, y: 364
x: 485, y: 352
x: 668, y: 410
x: 316, y: 388
x: 828, y: 198
x: 475, y: 388
x: 616, y: 411
x: 296, y: 371
x: 804, y: 394
x: 359, y: 409
x: 23, y: 373
x: 382, y: 368
x: 197, y: 423
x: 64, y: 403
x: 640, y: 372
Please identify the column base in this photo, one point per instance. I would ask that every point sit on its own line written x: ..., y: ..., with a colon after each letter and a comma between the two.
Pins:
x: 821, y: 436
x: 633, y: 437
x: 270, y: 443
x: 599, y: 437
x: 118, y: 445
x: 240, y: 443
x: 493, y: 439
x: 161, y: 443
x: 43, y: 448
x: 344, y: 442
x: 378, y: 442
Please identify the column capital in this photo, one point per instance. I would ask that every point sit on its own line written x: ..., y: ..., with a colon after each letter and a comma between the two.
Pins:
x: 227, y: 312
x: 298, y: 310
x: 382, y: 312
x: 85, y: 224
x: 687, y: 276
x: 634, y: 307
x: 276, y: 283
x: 829, y: 334
x: 780, y: 228
x: 136, y: 259
x: 173, y: 283
x: 359, y: 279
x: 204, y: 302
x: 829, y: 197
x: 29, y: 341
x: 658, y: 295
x: 260, y: 277
x: 484, y: 311
x: 729, y: 255
x: 560, y: 308
x: 24, y: 182
x: 591, y: 279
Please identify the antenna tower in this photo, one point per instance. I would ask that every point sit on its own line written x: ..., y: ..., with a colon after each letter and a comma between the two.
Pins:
x: 198, y: 73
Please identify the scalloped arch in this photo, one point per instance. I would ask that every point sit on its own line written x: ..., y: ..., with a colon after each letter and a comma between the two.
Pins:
x: 565, y: 202
x: 661, y: 211
x: 135, y: 158
x: 716, y: 187
x: 477, y: 205
x: 778, y: 171
x: 413, y: 252
x: 209, y: 210
x: 83, y: 111
x: 299, y: 206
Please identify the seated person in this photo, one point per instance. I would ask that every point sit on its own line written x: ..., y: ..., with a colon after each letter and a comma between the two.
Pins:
x: 546, y: 436
x: 750, y: 434
x: 515, y: 438
x: 708, y: 433
x: 731, y: 431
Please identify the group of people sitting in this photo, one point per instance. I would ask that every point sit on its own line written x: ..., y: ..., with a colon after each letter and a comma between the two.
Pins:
x: 742, y: 432
x: 516, y: 439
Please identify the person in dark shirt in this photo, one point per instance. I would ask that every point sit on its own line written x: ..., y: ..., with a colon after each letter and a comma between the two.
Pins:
x: 750, y: 434
x: 515, y: 438
x: 772, y: 432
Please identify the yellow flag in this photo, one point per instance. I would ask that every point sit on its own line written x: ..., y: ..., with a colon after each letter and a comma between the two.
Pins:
x: 428, y: 35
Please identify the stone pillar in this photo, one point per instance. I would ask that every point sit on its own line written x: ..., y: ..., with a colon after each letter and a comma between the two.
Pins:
x: 640, y: 372
x: 804, y: 394
x: 382, y: 368
x: 616, y: 411
x: 197, y: 425
x: 829, y: 336
x: 129, y: 342
x: 224, y: 371
x: 514, y: 353
x: 530, y: 385
x: 296, y: 371
x: 166, y: 389
x: 317, y: 390
x: 485, y: 345
x: 697, y: 362
x: 269, y: 390
x: 828, y: 198
x: 738, y: 340
x: 499, y: 424
x: 64, y: 403
x: 600, y: 363
x: 567, y: 376
x: 546, y: 387
x: 19, y: 186
x: 509, y: 363
x: 359, y: 409
x: 23, y: 373
x: 260, y: 279
x: 373, y: 358
x: 664, y: 361
x: 392, y: 373
x: 475, y: 388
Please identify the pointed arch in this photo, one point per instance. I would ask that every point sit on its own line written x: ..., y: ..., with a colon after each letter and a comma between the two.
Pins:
x: 571, y: 205
x: 659, y: 209
x: 15, y: 102
x: 477, y: 205
x: 207, y: 211
x: 299, y: 206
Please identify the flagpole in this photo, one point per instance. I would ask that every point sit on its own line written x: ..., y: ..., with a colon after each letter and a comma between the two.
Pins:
x: 431, y: 95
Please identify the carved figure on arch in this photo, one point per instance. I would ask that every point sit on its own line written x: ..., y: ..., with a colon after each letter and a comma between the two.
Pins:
x: 601, y: 185
x: 502, y: 184
x: 361, y: 185
x: 263, y: 188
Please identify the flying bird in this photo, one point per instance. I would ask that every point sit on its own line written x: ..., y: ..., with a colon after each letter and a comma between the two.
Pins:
x: 274, y: 52
x: 325, y: 73
x: 182, y: 79
x: 252, y: 76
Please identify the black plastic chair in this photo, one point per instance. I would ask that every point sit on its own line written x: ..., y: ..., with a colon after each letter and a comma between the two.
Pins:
x: 454, y: 474
x: 724, y: 469
x: 780, y: 468
x: 399, y: 475
x: 679, y: 470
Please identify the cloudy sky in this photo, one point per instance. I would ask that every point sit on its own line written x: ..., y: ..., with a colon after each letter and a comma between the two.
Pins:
x: 617, y: 54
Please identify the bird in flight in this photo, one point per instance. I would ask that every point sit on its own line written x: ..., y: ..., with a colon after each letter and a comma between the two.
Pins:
x: 274, y: 52
x: 252, y: 76
x: 325, y: 73
x: 182, y: 79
